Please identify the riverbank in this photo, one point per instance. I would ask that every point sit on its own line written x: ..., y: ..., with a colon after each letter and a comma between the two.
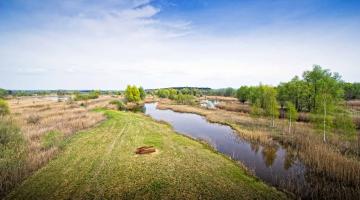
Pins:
x: 101, y: 163
x: 329, y: 169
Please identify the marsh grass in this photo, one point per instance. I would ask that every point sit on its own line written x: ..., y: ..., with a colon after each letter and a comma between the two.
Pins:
x: 335, y: 162
x: 51, y: 139
x: 100, y: 163
x: 12, y: 155
x: 43, y: 126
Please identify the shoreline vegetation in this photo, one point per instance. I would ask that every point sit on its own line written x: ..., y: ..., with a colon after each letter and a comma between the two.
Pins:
x: 323, y: 159
x: 314, y: 117
x: 181, y: 167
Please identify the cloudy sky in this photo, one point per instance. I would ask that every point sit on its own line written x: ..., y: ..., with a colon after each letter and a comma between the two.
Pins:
x: 107, y: 44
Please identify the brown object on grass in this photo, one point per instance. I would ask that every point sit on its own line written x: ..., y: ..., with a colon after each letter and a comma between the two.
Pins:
x: 145, y: 150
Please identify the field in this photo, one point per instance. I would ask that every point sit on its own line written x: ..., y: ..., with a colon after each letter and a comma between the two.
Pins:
x: 100, y: 163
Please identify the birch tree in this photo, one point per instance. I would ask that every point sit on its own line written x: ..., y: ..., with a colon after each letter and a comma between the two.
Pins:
x: 291, y: 114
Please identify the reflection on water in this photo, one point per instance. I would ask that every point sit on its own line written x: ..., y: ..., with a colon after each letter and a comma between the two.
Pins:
x: 269, y: 155
x: 274, y: 164
x: 270, y: 163
x: 138, y: 108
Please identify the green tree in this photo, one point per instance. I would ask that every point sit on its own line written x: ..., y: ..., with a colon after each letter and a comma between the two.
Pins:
x: 172, y: 94
x: 163, y: 93
x: 3, y: 93
x: 254, y: 94
x: 243, y: 94
x: 323, y: 115
x: 322, y: 81
x: 256, y: 110
x: 297, y: 91
x: 229, y: 92
x: 136, y: 93
x: 142, y: 93
x: 4, y: 108
x: 270, y: 103
x: 351, y: 91
x: 291, y: 113
x: 132, y: 94
x: 328, y: 92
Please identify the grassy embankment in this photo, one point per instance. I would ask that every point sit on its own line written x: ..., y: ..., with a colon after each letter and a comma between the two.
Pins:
x: 329, y: 160
x: 100, y: 163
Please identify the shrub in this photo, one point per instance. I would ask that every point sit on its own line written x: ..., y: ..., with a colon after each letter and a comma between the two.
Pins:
x: 91, y: 95
x: 185, y: 99
x: 33, y: 119
x: 3, y: 93
x: 142, y: 93
x: 52, y: 139
x: 4, y: 108
x: 343, y: 123
x: 120, y: 105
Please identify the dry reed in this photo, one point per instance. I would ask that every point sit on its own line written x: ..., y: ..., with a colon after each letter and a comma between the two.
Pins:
x: 38, y: 116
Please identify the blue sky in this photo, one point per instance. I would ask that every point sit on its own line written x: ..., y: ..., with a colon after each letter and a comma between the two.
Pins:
x: 107, y: 44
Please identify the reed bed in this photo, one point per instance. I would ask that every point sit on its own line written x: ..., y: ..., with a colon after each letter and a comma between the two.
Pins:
x: 37, y: 118
x: 234, y: 106
x: 219, y: 98
x: 329, y: 161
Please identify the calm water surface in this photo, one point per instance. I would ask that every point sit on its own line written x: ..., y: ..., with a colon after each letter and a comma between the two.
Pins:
x: 274, y: 165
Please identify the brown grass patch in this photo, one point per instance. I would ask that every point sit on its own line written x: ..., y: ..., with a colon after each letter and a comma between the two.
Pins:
x: 38, y: 116
x: 234, y: 106
x: 219, y: 98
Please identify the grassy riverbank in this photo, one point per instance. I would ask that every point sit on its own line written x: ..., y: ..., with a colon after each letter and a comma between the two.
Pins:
x: 101, y: 163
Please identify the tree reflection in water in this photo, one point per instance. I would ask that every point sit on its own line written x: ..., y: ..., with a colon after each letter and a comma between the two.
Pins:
x: 255, y: 147
x: 290, y: 158
x: 269, y: 154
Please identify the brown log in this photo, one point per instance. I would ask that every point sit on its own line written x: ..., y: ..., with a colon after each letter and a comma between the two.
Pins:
x: 145, y: 150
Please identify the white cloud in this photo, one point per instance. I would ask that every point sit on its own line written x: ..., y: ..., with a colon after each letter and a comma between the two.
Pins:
x: 107, y: 48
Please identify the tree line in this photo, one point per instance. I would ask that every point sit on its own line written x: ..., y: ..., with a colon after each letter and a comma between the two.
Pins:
x: 319, y: 92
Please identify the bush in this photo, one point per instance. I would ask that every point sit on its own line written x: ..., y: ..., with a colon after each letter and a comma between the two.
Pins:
x: 343, y: 123
x: 12, y: 155
x: 120, y: 105
x: 52, y: 139
x: 142, y: 93
x: 185, y: 99
x: 91, y: 95
x: 3, y: 93
x: 4, y: 108
x: 33, y: 119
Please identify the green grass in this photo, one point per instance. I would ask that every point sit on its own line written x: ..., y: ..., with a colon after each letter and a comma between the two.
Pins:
x: 100, y: 163
x: 51, y: 139
x: 12, y: 155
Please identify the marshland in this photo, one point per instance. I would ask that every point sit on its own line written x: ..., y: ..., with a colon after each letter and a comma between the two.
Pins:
x: 262, y: 141
x: 169, y: 99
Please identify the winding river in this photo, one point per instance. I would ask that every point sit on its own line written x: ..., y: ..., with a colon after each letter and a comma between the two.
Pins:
x: 274, y: 164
